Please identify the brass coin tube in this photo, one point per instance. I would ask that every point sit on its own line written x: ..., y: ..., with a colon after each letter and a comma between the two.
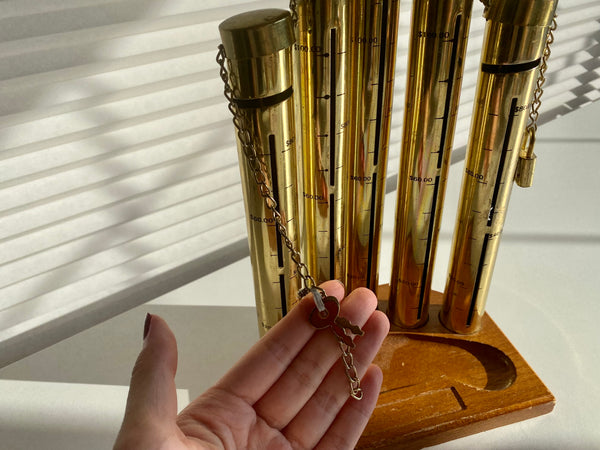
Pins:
x: 373, y: 42
x: 514, y: 40
x: 258, y: 45
x: 439, y: 30
x: 323, y: 55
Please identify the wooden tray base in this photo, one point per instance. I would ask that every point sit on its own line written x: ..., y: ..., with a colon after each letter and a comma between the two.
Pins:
x: 439, y: 386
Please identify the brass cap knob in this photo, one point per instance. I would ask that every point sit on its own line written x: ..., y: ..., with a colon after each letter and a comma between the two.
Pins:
x: 257, y: 33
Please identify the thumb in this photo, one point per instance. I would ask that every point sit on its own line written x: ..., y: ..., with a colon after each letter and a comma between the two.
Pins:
x: 151, y: 408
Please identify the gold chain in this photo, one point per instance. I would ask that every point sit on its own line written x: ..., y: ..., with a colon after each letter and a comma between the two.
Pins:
x: 242, y: 127
x: 294, y: 11
x: 241, y: 123
x: 527, y: 158
x: 350, y: 369
x: 539, y: 90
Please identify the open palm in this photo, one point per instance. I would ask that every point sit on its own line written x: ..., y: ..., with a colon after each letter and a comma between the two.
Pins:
x: 289, y: 391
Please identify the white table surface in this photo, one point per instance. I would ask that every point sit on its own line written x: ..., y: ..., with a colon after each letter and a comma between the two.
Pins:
x: 545, y: 297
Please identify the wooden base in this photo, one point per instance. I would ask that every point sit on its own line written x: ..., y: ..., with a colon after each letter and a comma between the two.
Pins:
x: 439, y: 386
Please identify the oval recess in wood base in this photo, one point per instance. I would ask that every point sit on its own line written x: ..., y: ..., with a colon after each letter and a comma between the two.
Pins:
x: 439, y: 386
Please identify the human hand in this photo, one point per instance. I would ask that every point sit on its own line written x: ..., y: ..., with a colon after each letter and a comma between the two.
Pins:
x: 289, y: 391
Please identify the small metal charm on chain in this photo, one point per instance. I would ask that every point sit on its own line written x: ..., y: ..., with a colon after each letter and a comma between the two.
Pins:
x: 327, y: 308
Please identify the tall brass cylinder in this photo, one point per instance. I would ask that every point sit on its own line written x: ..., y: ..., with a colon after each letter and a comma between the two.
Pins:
x: 373, y: 41
x: 258, y: 45
x: 514, y: 41
x: 439, y: 30
x: 323, y: 56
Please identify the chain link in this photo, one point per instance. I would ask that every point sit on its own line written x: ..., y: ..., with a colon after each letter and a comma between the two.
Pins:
x: 241, y: 123
x: 534, y: 110
x: 294, y: 11
x: 539, y: 90
x: 350, y: 369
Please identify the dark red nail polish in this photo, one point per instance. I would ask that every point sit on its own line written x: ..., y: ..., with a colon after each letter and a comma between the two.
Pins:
x: 147, y: 324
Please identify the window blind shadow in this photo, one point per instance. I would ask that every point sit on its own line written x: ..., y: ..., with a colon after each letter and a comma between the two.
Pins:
x: 118, y: 167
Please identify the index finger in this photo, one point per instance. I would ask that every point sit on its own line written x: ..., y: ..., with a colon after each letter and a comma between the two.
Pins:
x: 265, y: 362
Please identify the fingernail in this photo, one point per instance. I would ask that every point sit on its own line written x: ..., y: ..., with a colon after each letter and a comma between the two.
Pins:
x: 147, y: 324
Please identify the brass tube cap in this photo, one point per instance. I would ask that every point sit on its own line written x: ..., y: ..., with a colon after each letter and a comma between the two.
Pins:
x: 257, y: 33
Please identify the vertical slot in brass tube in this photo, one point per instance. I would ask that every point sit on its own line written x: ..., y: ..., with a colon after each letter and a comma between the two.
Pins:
x: 514, y: 41
x: 439, y: 30
x: 323, y: 88
x: 373, y: 41
x: 258, y: 45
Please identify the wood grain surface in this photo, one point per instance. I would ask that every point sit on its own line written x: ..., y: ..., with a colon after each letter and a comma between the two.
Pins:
x: 439, y: 386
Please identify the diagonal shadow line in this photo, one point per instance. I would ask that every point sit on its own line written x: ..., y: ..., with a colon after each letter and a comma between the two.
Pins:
x: 568, y: 141
x: 543, y: 238
x: 553, y: 238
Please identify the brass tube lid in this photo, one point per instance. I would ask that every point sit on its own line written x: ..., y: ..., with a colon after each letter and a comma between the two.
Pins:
x: 516, y: 31
x: 257, y: 33
x: 525, y: 13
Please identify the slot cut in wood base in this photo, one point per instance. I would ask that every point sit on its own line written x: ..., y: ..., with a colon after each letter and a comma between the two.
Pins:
x: 439, y: 386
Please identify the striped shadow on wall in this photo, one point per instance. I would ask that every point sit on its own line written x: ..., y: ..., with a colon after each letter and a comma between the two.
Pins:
x: 118, y: 169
